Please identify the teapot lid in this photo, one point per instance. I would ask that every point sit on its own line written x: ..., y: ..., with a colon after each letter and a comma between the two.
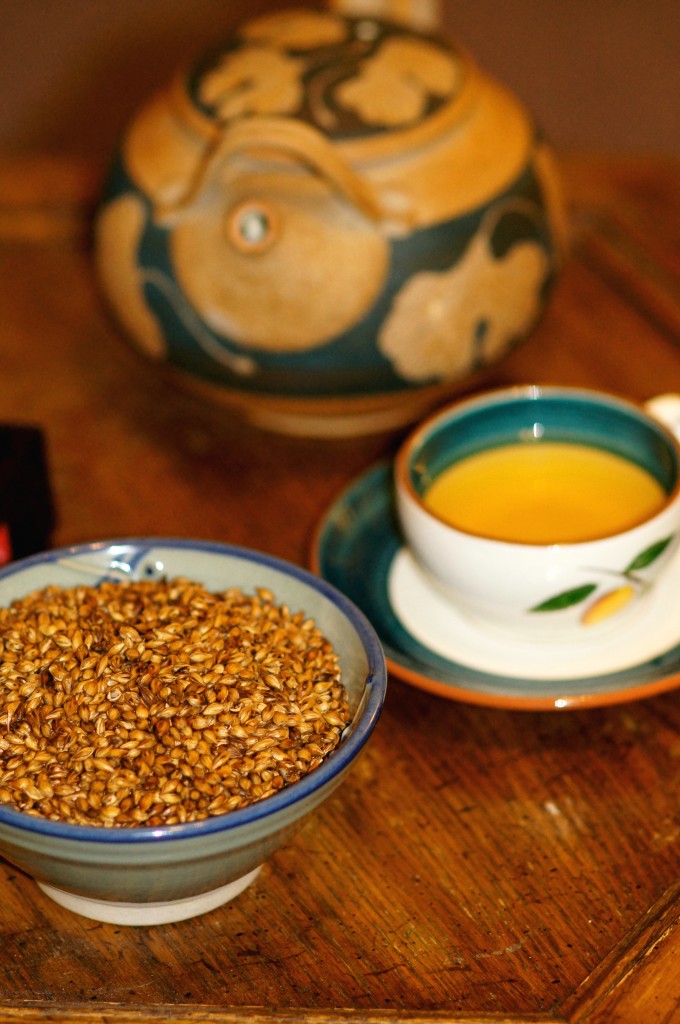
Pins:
x: 434, y: 135
x: 369, y: 85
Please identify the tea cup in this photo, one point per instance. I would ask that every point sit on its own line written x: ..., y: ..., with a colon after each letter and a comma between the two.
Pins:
x: 543, y: 510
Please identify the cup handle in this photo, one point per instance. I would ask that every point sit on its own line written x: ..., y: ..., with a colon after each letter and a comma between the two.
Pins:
x: 667, y: 409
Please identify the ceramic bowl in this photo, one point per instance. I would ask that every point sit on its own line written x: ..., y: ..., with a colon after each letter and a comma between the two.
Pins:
x: 147, y: 875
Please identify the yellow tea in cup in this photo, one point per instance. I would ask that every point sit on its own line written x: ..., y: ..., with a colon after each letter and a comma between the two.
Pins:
x: 544, y: 492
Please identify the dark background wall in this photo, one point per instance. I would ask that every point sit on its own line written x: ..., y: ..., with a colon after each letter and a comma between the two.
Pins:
x: 598, y: 74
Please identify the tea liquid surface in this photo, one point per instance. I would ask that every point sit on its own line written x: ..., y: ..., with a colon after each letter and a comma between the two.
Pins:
x: 544, y: 492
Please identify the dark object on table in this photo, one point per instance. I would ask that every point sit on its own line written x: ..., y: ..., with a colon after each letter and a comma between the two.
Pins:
x: 27, y: 515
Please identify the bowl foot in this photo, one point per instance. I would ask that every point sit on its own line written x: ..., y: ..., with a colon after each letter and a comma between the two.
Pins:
x: 145, y: 914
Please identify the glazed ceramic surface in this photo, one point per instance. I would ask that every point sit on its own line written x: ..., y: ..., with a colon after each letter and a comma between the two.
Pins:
x: 535, y: 589
x: 151, y: 875
x: 360, y: 549
x: 327, y: 220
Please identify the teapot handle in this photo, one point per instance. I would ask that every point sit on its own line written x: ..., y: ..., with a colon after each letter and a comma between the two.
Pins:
x: 292, y: 138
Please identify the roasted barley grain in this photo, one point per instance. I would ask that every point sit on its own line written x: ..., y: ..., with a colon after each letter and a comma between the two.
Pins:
x: 153, y: 703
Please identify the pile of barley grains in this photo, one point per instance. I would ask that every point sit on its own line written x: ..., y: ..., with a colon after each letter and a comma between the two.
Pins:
x: 155, y: 703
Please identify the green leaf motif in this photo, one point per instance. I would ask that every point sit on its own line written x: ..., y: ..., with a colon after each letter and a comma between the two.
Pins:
x: 649, y: 555
x: 566, y: 599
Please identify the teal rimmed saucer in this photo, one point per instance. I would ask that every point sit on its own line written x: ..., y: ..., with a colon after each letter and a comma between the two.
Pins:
x: 358, y: 548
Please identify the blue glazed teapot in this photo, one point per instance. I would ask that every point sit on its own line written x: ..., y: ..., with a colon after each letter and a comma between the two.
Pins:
x: 328, y: 222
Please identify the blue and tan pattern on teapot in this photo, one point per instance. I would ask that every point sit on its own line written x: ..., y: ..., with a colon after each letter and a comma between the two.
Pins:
x: 329, y: 212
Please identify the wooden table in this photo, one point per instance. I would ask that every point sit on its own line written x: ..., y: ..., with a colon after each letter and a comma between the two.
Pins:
x: 480, y: 864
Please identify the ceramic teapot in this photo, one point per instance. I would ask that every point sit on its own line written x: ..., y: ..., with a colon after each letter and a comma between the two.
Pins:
x: 329, y: 221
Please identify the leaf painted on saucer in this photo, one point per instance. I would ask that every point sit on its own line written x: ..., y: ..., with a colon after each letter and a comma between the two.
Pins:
x: 566, y: 599
x: 649, y: 555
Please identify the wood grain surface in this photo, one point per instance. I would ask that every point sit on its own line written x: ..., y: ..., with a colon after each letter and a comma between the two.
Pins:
x: 479, y: 865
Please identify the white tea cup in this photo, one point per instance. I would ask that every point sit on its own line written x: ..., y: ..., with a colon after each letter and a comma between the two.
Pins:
x: 550, y: 566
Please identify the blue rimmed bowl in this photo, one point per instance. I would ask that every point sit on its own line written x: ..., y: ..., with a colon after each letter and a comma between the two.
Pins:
x: 147, y: 875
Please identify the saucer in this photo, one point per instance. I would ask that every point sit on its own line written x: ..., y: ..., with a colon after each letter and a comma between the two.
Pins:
x: 359, y: 549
